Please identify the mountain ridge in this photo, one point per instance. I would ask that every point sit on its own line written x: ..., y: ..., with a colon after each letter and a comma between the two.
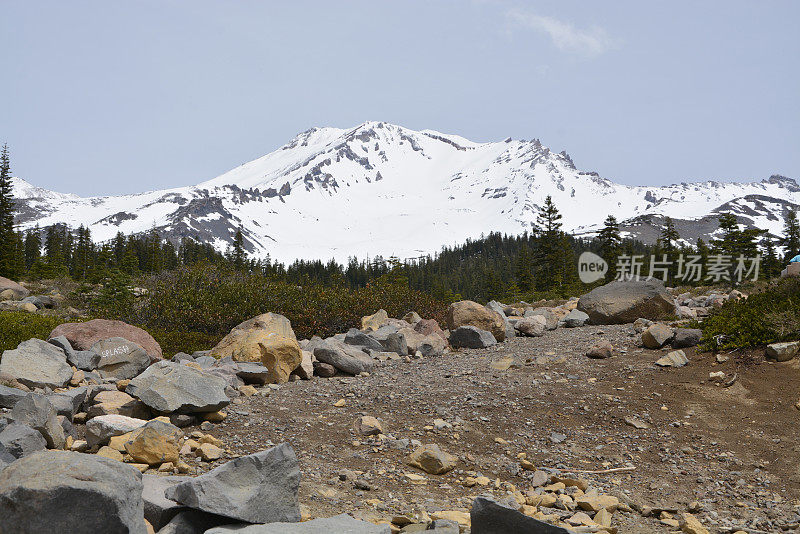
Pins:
x: 381, y: 189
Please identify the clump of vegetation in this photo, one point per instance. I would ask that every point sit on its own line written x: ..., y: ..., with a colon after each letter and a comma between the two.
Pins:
x: 206, y: 301
x: 768, y: 316
x: 16, y: 327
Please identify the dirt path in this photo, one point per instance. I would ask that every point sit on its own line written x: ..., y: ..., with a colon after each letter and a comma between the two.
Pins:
x: 733, y: 449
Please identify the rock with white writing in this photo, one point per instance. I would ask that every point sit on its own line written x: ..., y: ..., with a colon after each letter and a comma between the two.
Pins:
x: 82, y: 336
x: 120, y: 358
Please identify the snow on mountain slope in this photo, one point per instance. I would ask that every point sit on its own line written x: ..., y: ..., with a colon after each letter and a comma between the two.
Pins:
x: 382, y: 189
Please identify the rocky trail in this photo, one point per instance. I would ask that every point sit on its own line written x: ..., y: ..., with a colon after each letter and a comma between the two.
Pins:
x: 595, y: 414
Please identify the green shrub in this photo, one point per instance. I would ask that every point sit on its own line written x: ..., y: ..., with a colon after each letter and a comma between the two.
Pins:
x: 208, y: 301
x: 768, y: 316
x: 16, y: 327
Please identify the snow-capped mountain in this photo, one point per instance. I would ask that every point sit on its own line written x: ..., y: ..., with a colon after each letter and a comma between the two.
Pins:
x: 381, y: 189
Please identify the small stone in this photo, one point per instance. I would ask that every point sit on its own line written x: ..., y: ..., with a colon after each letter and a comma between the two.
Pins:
x: 601, y: 350
x: 339, y: 403
x: 209, y: 452
x: 691, y: 525
x: 215, y: 417
x: 368, y: 426
x: 247, y: 390
x: 431, y: 459
x: 107, y: 452
x: 676, y: 358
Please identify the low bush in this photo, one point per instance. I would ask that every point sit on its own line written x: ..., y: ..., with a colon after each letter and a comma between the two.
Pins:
x: 768, y: 316
x: 207, y: 301
x: 16, y: 327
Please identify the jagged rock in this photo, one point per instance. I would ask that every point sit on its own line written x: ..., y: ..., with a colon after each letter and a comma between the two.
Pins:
x: 11, y: 289
x: 471, y: 337
x: 375, y: 321
x: 469, y: 313
x: 240, y: 488
x: 158, y: 510
x: 783, y: 352
x: 344, y: 357
x: 155, y: 443
x: 37, y: 412
x: 656, y: 336
x: 550, y: 318
x: 625, y: 301
x: 120, y: 358
x: 117, y: 402
x: 82, y: 336
x: 500, y: 310
x: 306, y: 368
x: 412, y: 318
x: 575, y: 318
x: 360, y: 339
x: 173, y: 387
x: 531, y: 326
x: 268, y: 339
x: 5, y: 457
x: 490, y: 517
x: 686, y: 337
x: 100, y: 429
x: 37, y: 364
x: 21, y: 440
x: 676, y: 358
x: 430, y: 345
x: 368, y: 425
x: 340, y: 524
x: 85, y: 360
x: 391, y: 340
x: 10, y: 396
x: 601, y: 350
x: 324, y: 370
x: 427, y: 327
x: 64, y: 491
x: 252, y: 373
x: 431, y: 459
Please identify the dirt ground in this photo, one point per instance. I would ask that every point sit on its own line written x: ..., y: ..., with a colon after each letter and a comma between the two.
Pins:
x: 734, y: 450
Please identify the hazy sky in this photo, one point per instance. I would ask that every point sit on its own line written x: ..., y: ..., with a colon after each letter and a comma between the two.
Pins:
x: 120, y: 96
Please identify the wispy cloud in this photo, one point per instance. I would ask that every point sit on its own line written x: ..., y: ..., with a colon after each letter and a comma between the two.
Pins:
x: 565, y: 36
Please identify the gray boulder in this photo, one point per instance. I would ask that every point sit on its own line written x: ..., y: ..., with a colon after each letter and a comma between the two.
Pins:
x: 490, y: 517
x: 21, y: 440
x: 391, y: 339
x: 657, y: 335
x: 69, y: 402
x: 120, y: 358
x: 5, y: 457
x: 340, y: 524
x: 575, y: 318
x: 550, y: 318
x: 63, y: 491
x: 783, y: 352
x: 675, y: 358
x: 37, y: 412
x: 158, y: 510
x: 622, y: 302
x: 104, y: 427
x: 344, y: 357
x: 37, y: 364
x: 252, y: 373
x: 533, y: 326
x: 259, y: 488
x: 686, y: 337
x: 501, y: 309
x: 172, y: 387
x: 471, y: 337
x: 360, y: 339
x: 10, y: 396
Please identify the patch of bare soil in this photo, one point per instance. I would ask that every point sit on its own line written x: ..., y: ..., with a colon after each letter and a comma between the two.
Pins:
x: 731, y: 452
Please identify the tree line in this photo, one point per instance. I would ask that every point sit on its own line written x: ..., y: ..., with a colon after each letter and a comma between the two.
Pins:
x: 539, y: 262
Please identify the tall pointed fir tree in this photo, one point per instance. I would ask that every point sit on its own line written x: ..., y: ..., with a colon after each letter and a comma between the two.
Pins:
x: 791, y: 235
x: 669, y: 241
x: 8, y: 238
x: 238, y: 253
x: 524, y: 268
x: 550, y: 250
x: 33, y: 247
x: 610, y: 244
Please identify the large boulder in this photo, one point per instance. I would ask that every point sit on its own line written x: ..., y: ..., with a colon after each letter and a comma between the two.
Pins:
x: 625, y: 301
x: 37, y: 364
x: 268, y: 339
x: 100, y: 429
x: 657, y: 335
x: 686, y: 337
x: 575, y: 318
x: 37, y: 412
x: 117, y: 402
x: 550, y: 317
x: 469, y: 313
x: 375, y: 321
x: 360, y: 339
x: 430, y: 345
x: 490, y: 517
x: 62, y: 491
x: 427, y: 327
x: 533, y: 326
x: 168, y: 387
x: 344, y: 357
x: 471, y: 337
x: 258, y: 488
x: 155, y: 443
x: 85, y: 360
x: 9, y: 289
x: 340, y: 524
x: 83, y: 335
x: 391, y: 339
x: 120, y: 358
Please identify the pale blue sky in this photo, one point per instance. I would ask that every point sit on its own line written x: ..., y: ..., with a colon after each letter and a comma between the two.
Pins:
x: 100, y: 97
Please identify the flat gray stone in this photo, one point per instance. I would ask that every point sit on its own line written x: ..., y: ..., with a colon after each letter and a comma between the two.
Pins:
x: 37, y: 364
x: 360, y: 339
x: 21, y: 440
x: 575, y: 319
x: 471, y: 337
x: 37, y: 412
x: 159, y: 510
x: 344, y: 357
x: 676, y: 358
x: 172, y: 387
x: 252, y: 373
x: 63, y: 491
x: 340, y: 524
x: 258, y: 488
x: 104, y: 427
x: 10, y: 396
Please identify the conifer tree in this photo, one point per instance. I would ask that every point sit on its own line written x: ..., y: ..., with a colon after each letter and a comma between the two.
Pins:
x: 551, y: 253
x: 791, y: 235
x: 770, y: 265
x: 8, y: 238
x: 238, y: 253
x: 610, y: 244
x: 33, y: 247
x: 668, y: 244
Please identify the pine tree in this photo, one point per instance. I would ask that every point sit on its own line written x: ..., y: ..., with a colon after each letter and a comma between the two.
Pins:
x: 770, y: 266
x: 551, y: 253
x: 7, y: 235
x: 668, y: 245
x: 238, y: 253
x: 791, y: 235
x: 524, y: 269
x: 33, y: 247
x: 610, y: 243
